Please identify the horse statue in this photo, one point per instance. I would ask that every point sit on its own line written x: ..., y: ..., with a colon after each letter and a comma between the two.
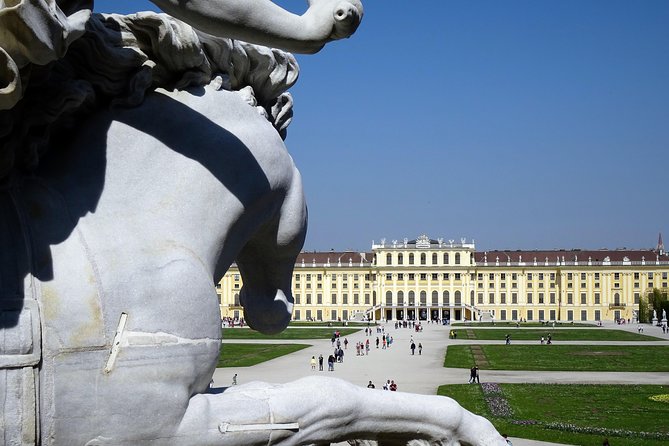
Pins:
x: 139, y: 157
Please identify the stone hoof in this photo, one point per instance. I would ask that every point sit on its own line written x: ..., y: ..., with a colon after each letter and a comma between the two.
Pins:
x: 347, y: 18
x: 268, y: 315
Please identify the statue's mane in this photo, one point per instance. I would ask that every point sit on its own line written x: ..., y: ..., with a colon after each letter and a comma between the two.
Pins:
x: 118, y: 60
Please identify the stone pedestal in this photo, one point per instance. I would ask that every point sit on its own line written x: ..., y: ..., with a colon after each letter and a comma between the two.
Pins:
x: 654, y: 321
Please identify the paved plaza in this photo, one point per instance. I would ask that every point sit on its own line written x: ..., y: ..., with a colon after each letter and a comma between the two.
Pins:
x: 424, y: 373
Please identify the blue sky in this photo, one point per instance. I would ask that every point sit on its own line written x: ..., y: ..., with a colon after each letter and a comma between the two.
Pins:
x: 522, y: 124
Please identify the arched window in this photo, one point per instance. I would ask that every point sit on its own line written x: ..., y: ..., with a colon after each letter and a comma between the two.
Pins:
x: 400, y: 298
x: 435, y: 258
x: 435, y: 298
x: 423, y: 258
x: 447, y: 298
x: 400, y: 259
x: 458, y: 298
x: 237, y: 300
x: 412, y: 298
x: 389, y: 298
x: 389, y: 259
x: 411, y: 259
x: 457, y: 258
x: 445, y: 258
x: 471, y: 298
x: 423, y: 298
x: 616, y: 299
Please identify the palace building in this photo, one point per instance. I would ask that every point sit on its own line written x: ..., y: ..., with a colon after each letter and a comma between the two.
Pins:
x: 441, y: 279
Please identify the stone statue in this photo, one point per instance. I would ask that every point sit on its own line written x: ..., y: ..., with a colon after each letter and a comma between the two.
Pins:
x: 655, y: 315
x: 664, y: 314
x: 140, y: 157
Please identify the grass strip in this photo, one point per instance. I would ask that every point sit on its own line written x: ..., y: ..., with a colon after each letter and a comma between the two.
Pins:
x: 246, y: 355
x: 288, y: 333
x: 532, y: 334
x: 573, y: 414
x: 576, y: 358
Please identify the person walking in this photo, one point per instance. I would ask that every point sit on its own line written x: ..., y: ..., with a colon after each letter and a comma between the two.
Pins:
x: 371, y: 385
x: 331, y: 361
x: 420, y: 349
x: 413, y: 348
x: 313, y: 363
x: 377, y: 342
x: 320, y: 363
x: 392, y: 386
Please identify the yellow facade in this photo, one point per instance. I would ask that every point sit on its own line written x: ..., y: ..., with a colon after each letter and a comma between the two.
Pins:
x: 435, y: 279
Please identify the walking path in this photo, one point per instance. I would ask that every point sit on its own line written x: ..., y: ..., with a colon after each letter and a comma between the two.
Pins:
x: 424, y: 373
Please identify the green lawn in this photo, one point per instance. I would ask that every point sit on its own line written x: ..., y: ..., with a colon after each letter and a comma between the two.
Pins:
x: 245, y: 355
x: 564, y: 357
x: 334, y: 325
x: 524, y: 324
x: 288, y: 333
x: 533, y: 334
x: 572, y: 414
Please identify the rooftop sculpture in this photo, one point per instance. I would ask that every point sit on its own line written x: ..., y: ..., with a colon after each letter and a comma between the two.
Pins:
x: 139, y: 157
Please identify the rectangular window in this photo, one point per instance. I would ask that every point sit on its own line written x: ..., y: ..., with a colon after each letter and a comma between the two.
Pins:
x: 333, y: 298
x: 514, y: 298
x: 389, y: 276
x: 570, y: 315
x: 308, y: 299
x: 598, y: 315
x: 502, y: 276
x: 570, y: 276
x: 319, y: 315
x: 457, y: 276
x: 412, y: 276
x: 514, y: 276
x: 582, y: 276
x: 616, y: 276
x: 400, y: 276
x: 650, y: 276
x: 333, y: 315
x: 552, y: 276
x: 514, y: 315
x: 423, y: 276
x: 541, y: 276
x: 552, y: 315
x: 570, y: 298
x: 480, y: 298
x: 541, y: 315
x: 529, y: 276
x: 636, y: 276
x: 502, y: 298
x: 344, y: 314
x: 344, y: 298
x: 541, y: 300
x: 344, y: 285
x: 308, y: 276
x: 296, y: 315
x: 308, y: 315
x: 502, y: 315
x: 444, y: 276
x: 530, y: 315
x: 367, y: 299
x: 551, y: 296
x: 584, y: 299
x: 529, y: 298
x: 491, y: 298
x: 514, y: 285
x: 319, y: 299
x: 596, y: 276
x: 637, y: 298
x: 297, y: 299
x: 435, y: 276
x: 308, y: 285
x: 584, y: 315
x: 479, y: 276
x: 491, y: 285
x: 491, y: 276
x: 597, y: 300
x: 356, y: 299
